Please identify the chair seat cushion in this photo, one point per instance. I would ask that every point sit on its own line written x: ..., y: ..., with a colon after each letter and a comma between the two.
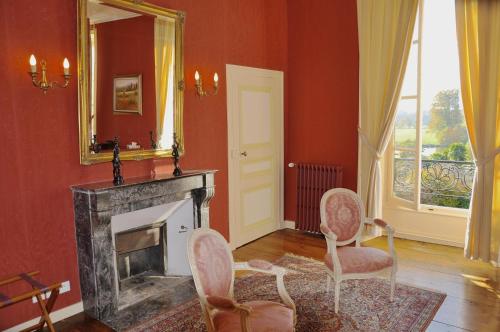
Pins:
x: 360, y: 259
x: 265, y: 316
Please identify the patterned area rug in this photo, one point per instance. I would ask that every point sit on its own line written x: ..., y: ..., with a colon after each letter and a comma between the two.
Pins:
x: 364, y: 304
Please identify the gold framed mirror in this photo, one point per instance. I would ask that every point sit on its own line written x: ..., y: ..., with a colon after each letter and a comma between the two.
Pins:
x: 130, y: 79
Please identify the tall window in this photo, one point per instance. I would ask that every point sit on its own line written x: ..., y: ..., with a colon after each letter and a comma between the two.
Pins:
x: 432, y: 163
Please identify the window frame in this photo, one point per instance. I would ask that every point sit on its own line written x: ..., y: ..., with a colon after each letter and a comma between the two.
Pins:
x: 392, y: 200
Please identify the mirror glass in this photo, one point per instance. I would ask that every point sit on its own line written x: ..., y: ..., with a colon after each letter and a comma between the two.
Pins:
x: 133, y: 79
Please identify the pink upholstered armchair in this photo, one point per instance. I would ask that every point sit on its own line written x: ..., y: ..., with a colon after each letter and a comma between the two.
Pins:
x: 342, y: 221
x: 213, y: 269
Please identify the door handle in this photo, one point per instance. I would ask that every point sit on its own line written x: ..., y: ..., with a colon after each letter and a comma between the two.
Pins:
x: 244, y: 153
x: 184, y: 229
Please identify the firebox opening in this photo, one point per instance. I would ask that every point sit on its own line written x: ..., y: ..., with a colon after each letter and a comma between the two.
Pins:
x: 141, y: 257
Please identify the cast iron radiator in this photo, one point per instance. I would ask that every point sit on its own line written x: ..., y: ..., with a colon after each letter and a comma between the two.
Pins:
x: 312, y: 182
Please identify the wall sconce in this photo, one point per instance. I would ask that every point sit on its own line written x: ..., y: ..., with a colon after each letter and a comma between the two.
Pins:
x: 199, y: 85
x: 44, y: 84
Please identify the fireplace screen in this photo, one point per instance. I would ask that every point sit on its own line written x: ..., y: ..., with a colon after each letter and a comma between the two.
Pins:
x: 140, y: 254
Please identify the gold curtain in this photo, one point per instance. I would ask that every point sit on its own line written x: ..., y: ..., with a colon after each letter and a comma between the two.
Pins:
x: 385, y: 29
x: 164, y: 55
x: 478, y: 31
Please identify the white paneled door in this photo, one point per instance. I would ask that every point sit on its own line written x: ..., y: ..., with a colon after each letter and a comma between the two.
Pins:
x: 255, y: 147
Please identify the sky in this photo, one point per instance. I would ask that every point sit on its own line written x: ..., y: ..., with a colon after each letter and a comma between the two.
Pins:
x: 440, y: 66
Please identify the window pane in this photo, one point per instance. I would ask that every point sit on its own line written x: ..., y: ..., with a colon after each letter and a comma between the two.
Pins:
x: 404, y: 175
x: 410, y: 80
x: 444, y: 133
x: 447, y: 168
x: 406, y: 124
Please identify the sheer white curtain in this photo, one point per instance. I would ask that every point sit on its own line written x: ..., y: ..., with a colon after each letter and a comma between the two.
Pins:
x: 385, y: 29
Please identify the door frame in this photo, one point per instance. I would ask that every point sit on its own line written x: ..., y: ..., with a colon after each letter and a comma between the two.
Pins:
x: 233, y: 170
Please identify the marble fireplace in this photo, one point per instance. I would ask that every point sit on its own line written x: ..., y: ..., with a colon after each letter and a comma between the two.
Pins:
x: 131, y: 239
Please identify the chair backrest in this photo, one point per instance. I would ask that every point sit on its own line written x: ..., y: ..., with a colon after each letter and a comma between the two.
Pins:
x: 342, y: 212
x: 211, y: 262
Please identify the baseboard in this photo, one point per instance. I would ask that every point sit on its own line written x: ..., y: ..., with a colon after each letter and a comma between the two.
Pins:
x: 286, y: 224
x: 367, y: 237
x: 289, y: 224
x: 423, y: 238
x: 55, y: 316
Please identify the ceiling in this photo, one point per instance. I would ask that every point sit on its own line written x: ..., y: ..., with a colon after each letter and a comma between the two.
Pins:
x: 100, y: 13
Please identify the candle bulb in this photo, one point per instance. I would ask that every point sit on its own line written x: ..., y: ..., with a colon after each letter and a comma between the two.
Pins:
x: 33, y: 63
x: 197, y: 77
x: 216, y: 79
x: 66, y: 66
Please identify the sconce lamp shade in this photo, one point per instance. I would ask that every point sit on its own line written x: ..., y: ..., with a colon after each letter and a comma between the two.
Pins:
x: 66, y: 66
x: 33, y: 63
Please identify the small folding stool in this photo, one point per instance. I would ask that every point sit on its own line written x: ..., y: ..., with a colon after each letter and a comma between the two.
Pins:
x: 38, y: 289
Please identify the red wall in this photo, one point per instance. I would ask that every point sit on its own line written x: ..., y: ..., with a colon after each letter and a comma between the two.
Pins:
x: 313, y: 42
x: 126, y: 47
x: 39, y: 133
x: 322, y: 89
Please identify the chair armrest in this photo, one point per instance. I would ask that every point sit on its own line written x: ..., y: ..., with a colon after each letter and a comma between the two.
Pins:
x: 262, y: 266
x: 226, y: 303
x: 384, y: 225
x: 327, y: 232
x: 331, y: 242
x: 390, y: 232
x: 380, y: 223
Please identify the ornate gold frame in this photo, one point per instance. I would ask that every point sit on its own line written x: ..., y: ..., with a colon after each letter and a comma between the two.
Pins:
x: 86, y: 157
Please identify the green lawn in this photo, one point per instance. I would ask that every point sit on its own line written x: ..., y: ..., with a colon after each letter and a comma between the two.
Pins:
x: 405, y: 134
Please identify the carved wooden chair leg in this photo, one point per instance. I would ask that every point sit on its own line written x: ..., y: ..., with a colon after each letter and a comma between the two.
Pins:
x: 393, y: 282
x: 337, y: 295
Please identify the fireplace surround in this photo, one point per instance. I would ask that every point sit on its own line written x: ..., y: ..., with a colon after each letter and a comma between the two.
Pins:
x: 135, y: 231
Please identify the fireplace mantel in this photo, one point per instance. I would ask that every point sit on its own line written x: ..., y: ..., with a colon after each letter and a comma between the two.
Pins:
x: 96, y: 203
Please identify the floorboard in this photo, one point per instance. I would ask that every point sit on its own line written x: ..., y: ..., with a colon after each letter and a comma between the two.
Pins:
x: 473, y: 292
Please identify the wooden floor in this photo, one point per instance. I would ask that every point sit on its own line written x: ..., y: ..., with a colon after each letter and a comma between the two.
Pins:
x: 472, y: 288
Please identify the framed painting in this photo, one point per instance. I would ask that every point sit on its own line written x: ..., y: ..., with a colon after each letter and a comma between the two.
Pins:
x: 127, y: 94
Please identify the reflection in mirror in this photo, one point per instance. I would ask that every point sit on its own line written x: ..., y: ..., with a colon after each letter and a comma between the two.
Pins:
x: 129, y: 98
x: 133, y: 80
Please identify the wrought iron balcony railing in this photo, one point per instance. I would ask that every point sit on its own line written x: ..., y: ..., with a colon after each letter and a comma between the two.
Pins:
x: 443, y: 182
